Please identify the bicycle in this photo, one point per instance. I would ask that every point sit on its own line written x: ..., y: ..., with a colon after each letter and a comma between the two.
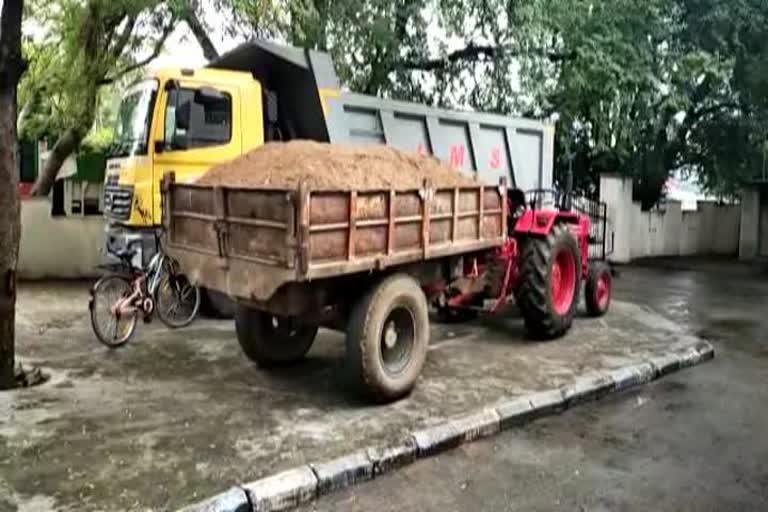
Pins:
x: 120, y: 297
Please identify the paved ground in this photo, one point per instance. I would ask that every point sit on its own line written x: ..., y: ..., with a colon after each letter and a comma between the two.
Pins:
x: 692, y: 441
x: 177, y: 416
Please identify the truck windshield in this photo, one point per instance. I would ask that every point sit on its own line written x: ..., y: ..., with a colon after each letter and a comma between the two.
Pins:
x: 133, y: 120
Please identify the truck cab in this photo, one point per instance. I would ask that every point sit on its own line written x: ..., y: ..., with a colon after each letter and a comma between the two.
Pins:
x: 186, y: 121
x: 177, y: 120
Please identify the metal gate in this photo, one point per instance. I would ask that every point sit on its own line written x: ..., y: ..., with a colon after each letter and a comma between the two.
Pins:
x: 600, y: 239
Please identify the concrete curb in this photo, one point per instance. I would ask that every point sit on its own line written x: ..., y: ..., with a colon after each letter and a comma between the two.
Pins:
x: 290, y: 488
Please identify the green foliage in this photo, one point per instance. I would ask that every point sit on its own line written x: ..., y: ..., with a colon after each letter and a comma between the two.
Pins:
x: 657, y: 86
x: 82, y: 46
x: 643, y: 88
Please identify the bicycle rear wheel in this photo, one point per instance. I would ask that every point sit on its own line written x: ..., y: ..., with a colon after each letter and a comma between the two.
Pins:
x: 177, y: 300
x: 112, y: 330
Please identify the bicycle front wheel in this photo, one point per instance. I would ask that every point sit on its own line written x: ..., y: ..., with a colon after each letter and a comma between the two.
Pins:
x: 111, y: 328
x: 177, y: 300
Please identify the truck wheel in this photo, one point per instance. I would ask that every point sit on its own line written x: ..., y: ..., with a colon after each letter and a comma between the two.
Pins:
x: 597, y: 290
x: 215, y: 304
x: 271, y: 340
x: 387, y: 338
x: 550, y: 275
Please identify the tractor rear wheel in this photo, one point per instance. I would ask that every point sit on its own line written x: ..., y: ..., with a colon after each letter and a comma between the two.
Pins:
x: 550, y: 278
x: 597, y: 290
x: 271, y: 340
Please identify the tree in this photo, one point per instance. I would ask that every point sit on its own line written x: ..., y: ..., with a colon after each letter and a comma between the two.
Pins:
x: 728, y: 146
x: 643, y: 88
x: 95, y: 44
x: 189, y: 12
x: 659, y: 87
x: 12, y: 66
x: 396, y: 48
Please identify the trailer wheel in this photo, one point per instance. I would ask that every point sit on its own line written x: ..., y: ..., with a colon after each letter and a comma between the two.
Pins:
x: 550, y: 275
x: 271, y: 340
x: 597, y: 290
x: 387, y: 338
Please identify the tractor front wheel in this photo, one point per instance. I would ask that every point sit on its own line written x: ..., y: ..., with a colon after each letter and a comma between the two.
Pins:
x: 550, y: 277
x: 597, y: 290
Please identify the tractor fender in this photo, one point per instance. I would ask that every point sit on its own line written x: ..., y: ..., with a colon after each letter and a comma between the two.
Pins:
x: 540, y: 222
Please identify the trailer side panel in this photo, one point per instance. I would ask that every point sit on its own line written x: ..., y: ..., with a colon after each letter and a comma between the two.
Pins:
x: 250, y: 242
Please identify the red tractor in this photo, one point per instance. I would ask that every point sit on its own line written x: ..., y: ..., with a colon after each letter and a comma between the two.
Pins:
x: 543, y: 264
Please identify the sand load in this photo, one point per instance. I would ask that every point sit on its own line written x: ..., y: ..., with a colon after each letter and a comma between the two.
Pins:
x: 333, y: 167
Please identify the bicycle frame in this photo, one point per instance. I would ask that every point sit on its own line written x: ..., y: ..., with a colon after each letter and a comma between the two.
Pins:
x: 154, y: 270
x: 128, y: 305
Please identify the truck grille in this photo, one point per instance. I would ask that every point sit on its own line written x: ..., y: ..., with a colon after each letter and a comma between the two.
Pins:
x: 117, y: 199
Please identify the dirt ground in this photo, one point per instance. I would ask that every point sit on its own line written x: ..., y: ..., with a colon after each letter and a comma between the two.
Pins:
x: 176, y: 416
x: 693, y: 441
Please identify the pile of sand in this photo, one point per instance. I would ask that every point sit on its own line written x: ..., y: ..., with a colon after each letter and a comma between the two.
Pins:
x: 333, y: 167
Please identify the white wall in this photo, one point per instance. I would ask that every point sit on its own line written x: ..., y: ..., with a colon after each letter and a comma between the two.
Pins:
x: 712, y: 229
x: 614, y: 191
x: 58, y: 247
x: 750, y: 223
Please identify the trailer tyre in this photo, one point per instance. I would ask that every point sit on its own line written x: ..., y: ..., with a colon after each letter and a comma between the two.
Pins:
x: 271, y: 340
x: 387, y: 339
x: 550, y: 275
x: 597, y: 290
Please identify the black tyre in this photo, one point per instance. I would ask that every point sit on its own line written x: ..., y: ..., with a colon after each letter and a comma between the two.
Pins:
x: 597, y: 290
x: 215, y: 304
x: 449, y: 315
x: 387, y: 339
x: 550, y: 277
x: 113, y: 330
x: 271, y: 340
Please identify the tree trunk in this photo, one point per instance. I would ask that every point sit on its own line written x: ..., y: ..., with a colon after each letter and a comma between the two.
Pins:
x: 11, y: 68
x: 201, y: 34
x: 64, y: 147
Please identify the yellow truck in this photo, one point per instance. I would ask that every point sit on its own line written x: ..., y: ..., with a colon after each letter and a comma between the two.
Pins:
x: 185, y: 121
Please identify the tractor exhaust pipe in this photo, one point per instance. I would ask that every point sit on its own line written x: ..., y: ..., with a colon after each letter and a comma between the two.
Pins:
x: 567, y: 202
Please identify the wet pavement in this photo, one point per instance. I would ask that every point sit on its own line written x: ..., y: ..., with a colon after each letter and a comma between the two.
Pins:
x: 693, y: 441
x: 176, y: 416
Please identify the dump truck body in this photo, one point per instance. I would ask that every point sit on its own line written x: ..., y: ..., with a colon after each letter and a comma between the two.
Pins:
x: 307, y: 103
